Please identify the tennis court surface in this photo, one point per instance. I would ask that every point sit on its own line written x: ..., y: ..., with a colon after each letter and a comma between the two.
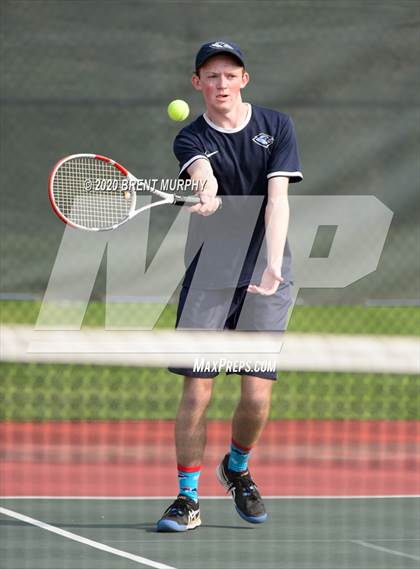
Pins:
x: 88, y: 460
x: 321, y: 533
x: 340, y: 495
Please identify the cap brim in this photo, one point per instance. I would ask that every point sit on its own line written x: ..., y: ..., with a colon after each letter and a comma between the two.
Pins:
x: 220, y: 52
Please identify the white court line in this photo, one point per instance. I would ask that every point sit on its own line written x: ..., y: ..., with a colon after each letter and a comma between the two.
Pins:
x: 84, y: 540
x: 274, y: 540
x: 385, y: 549
x: 378, y: 497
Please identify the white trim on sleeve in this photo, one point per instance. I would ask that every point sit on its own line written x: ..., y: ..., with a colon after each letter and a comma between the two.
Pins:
x: 193, y: 159
x: 285, y: 174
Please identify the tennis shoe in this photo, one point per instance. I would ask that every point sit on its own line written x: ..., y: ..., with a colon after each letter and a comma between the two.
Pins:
x: 248, y: 501
x: 182, y: 515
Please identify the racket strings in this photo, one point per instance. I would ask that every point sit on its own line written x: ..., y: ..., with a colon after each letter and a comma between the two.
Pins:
x: 83, y: 190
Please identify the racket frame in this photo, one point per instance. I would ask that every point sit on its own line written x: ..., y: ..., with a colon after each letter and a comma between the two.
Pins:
x: 169, y: 199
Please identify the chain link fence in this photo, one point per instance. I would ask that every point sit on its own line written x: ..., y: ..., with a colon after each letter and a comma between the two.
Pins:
x: 78, y: 78
x: 97, y: 77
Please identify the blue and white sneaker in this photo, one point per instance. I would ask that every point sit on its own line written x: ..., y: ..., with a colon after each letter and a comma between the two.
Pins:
x: 182, y: 515
x: 248, y: 501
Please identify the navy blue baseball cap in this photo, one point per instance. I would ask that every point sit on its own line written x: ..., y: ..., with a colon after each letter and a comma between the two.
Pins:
x: 209, y: 49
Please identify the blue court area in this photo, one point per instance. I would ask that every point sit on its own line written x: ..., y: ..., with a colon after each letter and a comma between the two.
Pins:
x: 301, y: 533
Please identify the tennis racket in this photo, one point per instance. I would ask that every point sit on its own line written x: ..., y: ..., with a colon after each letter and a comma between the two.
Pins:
x: 92, y: 192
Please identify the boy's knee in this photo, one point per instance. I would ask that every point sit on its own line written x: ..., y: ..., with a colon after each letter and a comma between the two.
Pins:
x: 197, y: 393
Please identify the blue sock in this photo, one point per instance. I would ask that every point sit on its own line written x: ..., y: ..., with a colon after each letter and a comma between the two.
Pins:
x: 188, y: 477
x: 238, y: 458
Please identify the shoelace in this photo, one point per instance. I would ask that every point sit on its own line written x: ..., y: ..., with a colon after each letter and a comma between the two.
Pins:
x: 246, y: 486
x: 178, y: 507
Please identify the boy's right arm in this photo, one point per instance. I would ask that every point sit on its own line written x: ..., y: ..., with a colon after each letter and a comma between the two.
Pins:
x: 202, y: 171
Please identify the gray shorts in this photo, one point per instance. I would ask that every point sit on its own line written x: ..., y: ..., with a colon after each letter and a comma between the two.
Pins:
x: 232, y: 309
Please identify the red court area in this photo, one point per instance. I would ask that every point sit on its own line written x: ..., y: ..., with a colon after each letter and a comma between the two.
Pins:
x: 137, y: 458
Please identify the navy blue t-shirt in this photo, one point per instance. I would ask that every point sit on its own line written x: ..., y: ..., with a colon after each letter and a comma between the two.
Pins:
x: 227, y: 249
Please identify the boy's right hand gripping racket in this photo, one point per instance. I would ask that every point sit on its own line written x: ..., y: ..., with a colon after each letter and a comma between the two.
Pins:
x: 92, y: 192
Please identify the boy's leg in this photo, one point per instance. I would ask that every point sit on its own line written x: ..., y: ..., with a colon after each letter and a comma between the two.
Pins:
x: 249, y: 419
x: 190, y: 438
x: 190, y: 425
x: 252, y: 411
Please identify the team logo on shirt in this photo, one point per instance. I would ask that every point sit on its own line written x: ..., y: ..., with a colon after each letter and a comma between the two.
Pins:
x: 263, y: 139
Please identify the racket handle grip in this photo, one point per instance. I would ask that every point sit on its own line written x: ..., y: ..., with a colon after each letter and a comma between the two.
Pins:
x: 190, y: 200
x: 181, y: 200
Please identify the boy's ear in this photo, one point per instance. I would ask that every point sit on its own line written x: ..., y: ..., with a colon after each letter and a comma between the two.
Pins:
x: 195, y: 80
x: 245, y: 79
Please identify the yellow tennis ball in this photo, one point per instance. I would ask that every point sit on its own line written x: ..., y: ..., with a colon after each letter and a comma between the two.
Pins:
x: 178, y: 110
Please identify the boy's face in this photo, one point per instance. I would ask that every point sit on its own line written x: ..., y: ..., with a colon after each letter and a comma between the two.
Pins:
x: 220, y: 80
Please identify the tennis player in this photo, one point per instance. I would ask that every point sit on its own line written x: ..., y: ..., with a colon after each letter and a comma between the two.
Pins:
x: 248, y: 154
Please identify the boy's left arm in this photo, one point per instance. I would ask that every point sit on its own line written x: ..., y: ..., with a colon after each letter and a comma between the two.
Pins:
x: 276, y: 226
